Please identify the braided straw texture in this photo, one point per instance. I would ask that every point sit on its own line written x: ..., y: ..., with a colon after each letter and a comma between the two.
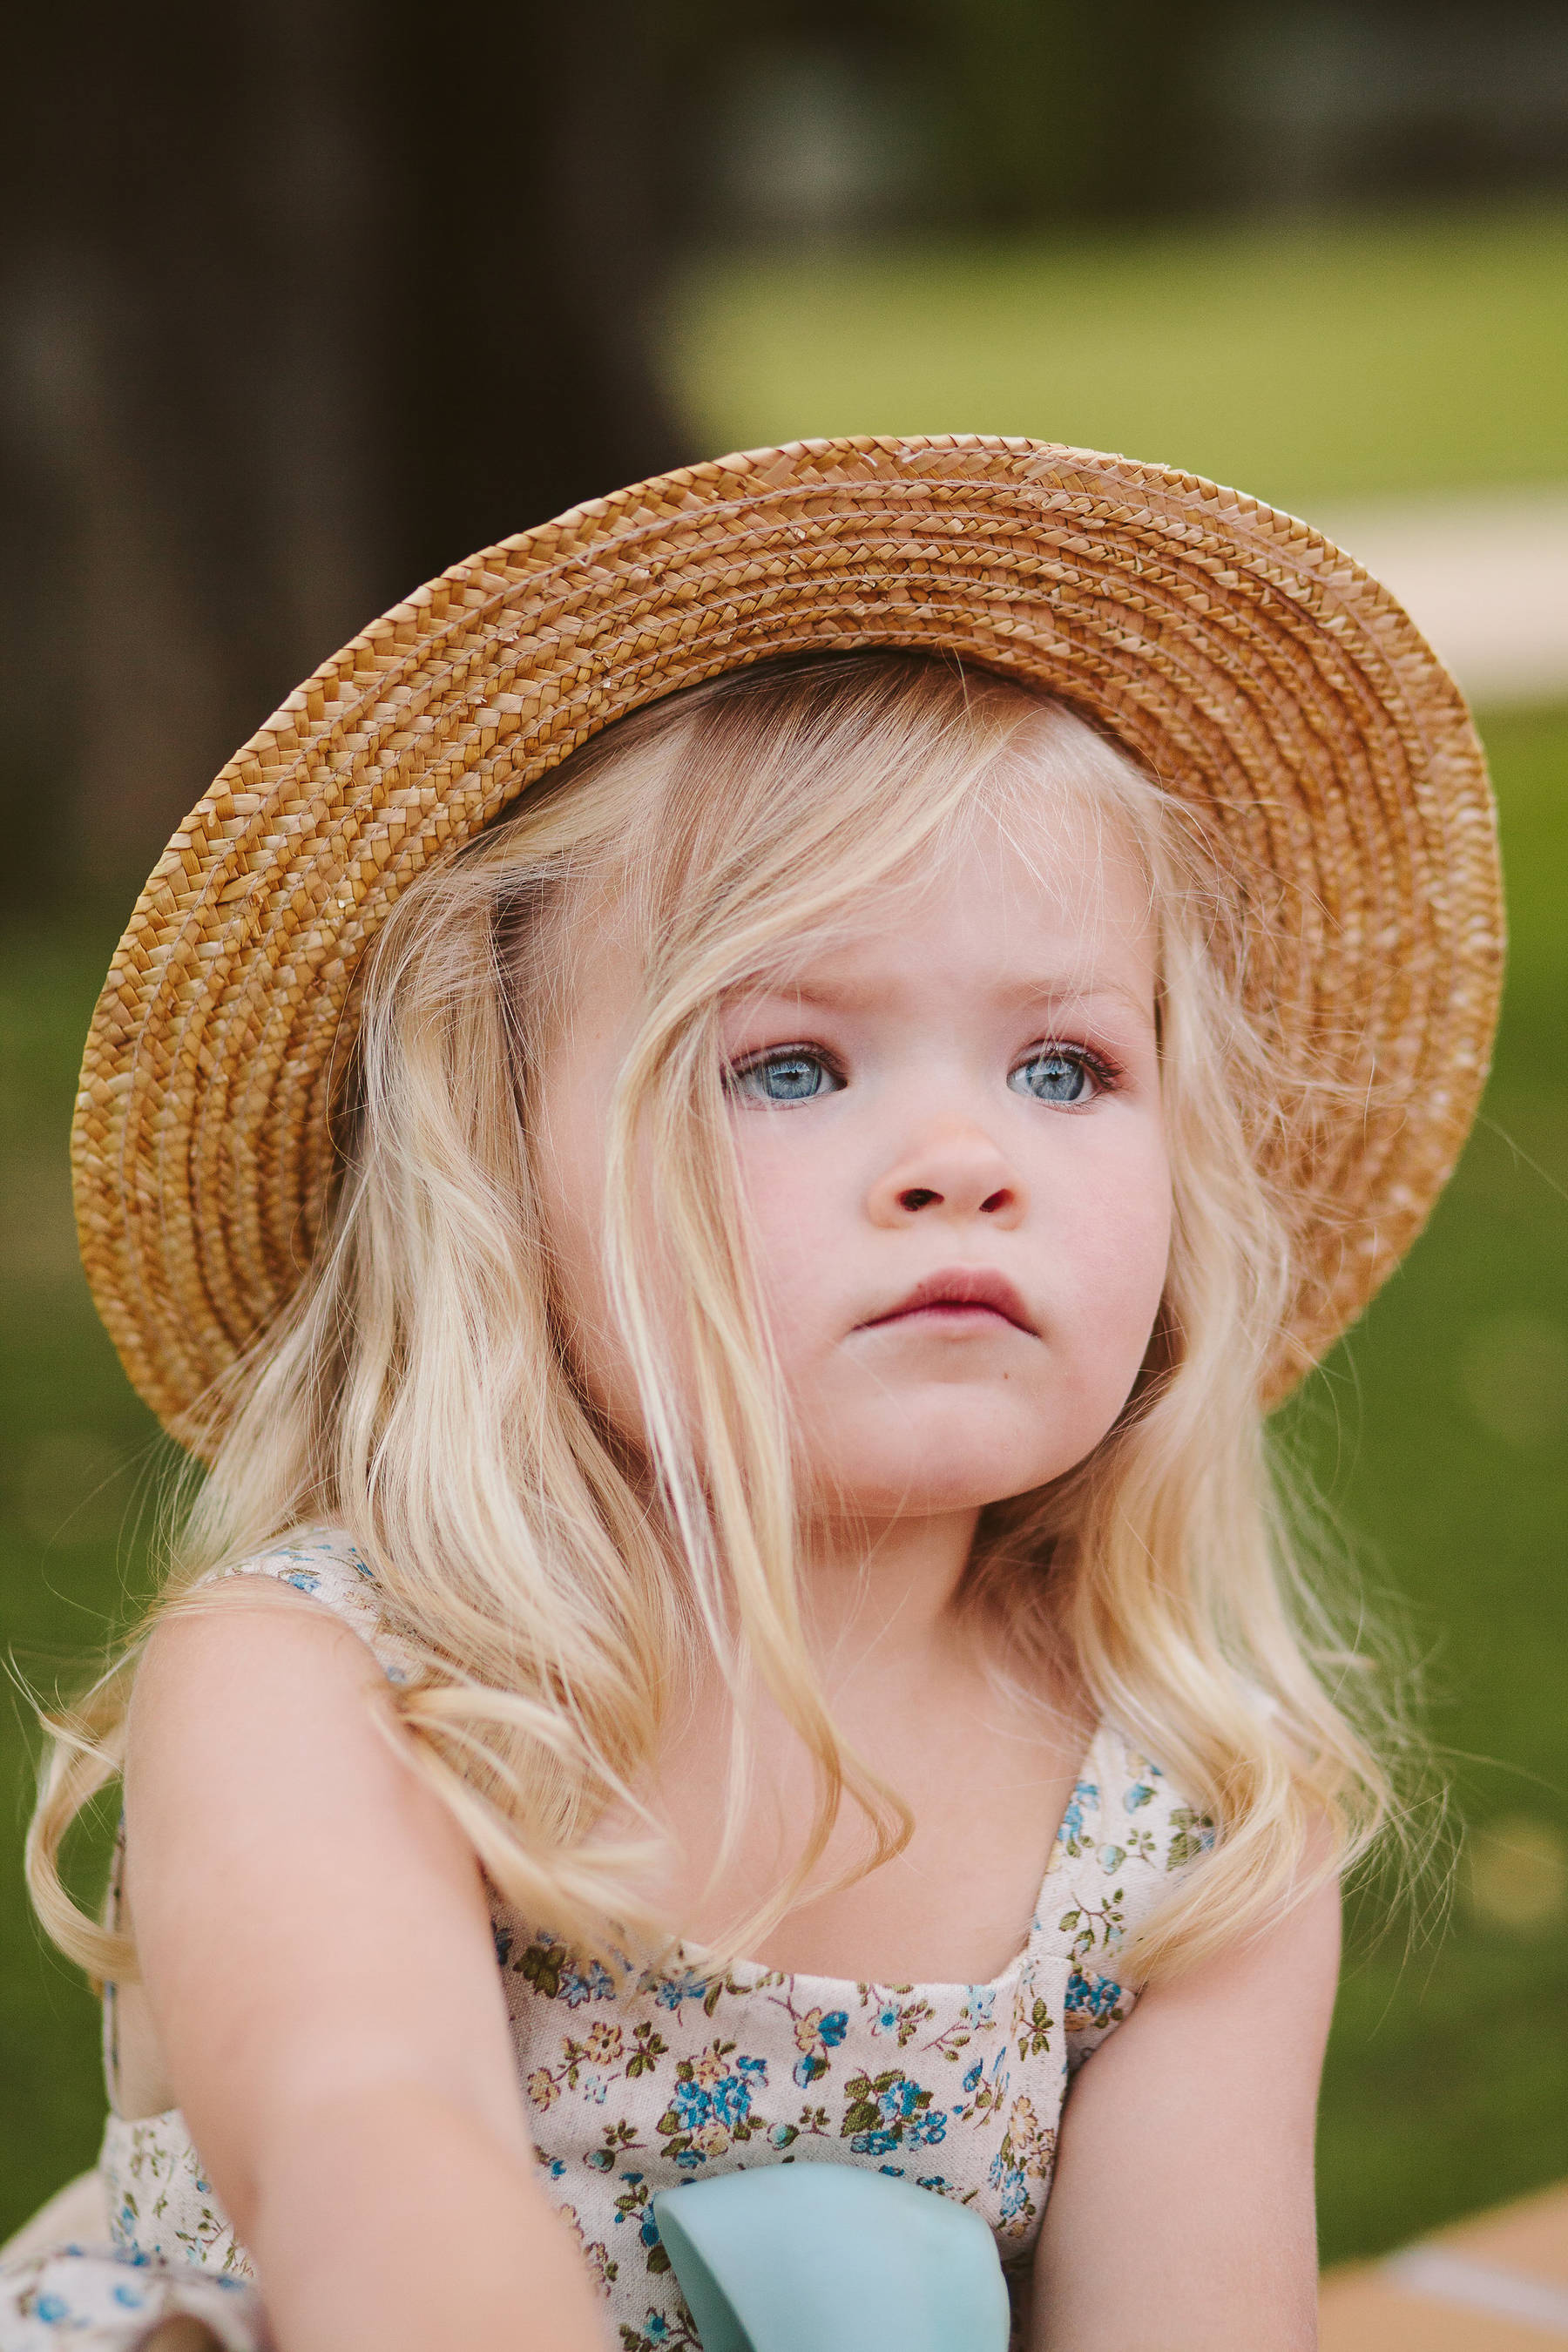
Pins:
x: 1258, y: 672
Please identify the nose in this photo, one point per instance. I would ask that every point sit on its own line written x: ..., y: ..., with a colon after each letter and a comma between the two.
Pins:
x: 952, y: 1174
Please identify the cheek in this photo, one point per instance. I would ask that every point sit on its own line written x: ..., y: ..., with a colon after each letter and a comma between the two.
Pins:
x: 569, y: 1172
x: 799, y: 1218
x: 1118, y: 1252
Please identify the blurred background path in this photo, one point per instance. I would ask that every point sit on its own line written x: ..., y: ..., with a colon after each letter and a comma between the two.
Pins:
x: 300, y: 302
x: 1497, y: 2284
x: 1484, y: 576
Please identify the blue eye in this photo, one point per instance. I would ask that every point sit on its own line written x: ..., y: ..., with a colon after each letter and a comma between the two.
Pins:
x: 793, y: 1075
x: 1055, y: 1077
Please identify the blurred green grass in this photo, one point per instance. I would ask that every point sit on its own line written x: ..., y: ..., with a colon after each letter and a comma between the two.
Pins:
x: 1322, y: 364
x: 1437, y: 1432
x: 1326, y: 361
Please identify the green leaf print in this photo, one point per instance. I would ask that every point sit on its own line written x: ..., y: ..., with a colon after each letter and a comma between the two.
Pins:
x: 651, y: 2048
x: 885, y: 2108
x: 1094, y: 1929
x: 1035, y: 2032
x: 542, y: 1965
x: 1192, y: 1836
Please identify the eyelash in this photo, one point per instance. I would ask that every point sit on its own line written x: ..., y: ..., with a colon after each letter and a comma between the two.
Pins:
x: 796, y: 1049
x: 1099, y: 1065
x: 1106, y: 1073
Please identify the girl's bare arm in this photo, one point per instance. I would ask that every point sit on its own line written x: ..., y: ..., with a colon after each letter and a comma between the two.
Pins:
x: 315, y: 1943
x: 1182, y: 2219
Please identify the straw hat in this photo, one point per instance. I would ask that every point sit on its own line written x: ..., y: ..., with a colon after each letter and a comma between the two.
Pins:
x: 1253, y: 668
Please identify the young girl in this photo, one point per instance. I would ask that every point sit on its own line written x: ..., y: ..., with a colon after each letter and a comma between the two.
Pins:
x: 720, y: 1136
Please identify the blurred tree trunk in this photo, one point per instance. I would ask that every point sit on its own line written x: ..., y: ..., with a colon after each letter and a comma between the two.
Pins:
x: 300, y: 299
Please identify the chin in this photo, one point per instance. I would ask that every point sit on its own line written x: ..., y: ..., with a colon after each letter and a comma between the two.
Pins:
x: 932, y: 1481
x: 943, y: 1448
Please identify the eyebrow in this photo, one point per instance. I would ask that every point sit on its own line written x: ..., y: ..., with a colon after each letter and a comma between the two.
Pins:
x: 1021, y: 993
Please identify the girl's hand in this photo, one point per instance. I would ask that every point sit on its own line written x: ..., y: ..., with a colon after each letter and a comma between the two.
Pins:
x: 1182, y: 2217
x: 316, y: 1952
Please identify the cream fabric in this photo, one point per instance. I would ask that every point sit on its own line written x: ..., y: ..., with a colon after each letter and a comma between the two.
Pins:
x: 638, y: 2085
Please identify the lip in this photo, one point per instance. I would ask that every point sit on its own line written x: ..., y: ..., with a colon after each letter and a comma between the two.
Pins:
x: 959, y: 1292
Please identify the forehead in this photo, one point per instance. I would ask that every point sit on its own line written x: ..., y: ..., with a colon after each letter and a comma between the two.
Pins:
x: 1040, y: 902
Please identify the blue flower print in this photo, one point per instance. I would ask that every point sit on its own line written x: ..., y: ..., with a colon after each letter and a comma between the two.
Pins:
x: 635, y: 2204
x: 130, y: 2298
x: 817, y: 2032
x: 1071, y: 1835
x: 980, y: 2001
x: 303, y: 1579
x: 1015, y: 2193
x: 886, y: 2019
x: 726, y: 2103
x: 899, y: 2101
x: 670, y: 1992
x: 1091, y: 2001
x: 710, y: 2104
x: 888, y: 2111
x: 972, y: 2080
x: 590, y: 1982
x: 52, y: 2309
x: 1026, y: 2154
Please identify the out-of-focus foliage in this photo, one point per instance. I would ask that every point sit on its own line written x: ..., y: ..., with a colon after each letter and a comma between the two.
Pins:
x: 801, y: 118
x: 1303, y: 363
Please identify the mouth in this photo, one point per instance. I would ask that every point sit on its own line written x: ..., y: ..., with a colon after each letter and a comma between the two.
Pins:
x: 972, y: 1296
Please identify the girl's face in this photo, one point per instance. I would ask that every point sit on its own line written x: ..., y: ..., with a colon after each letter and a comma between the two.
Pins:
x: 948, y: 1125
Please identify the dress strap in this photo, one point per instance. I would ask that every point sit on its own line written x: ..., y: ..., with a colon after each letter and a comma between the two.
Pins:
x: 327, y: 1566
x: 1127, y: 1840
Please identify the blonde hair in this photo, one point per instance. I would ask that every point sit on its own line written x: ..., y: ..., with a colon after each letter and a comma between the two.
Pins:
x: 416, y: 1391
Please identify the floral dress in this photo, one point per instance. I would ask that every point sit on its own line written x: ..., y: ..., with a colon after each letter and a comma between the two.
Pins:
x: 635, y: 2086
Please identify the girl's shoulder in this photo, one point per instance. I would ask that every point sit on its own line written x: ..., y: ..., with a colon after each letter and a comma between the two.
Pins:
x: 329, y: 1566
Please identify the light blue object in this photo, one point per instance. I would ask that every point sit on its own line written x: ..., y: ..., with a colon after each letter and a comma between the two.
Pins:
x: 826, y: 2258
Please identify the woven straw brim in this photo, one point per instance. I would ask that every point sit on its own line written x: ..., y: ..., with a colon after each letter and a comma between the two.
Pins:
x: 1251, y: 666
